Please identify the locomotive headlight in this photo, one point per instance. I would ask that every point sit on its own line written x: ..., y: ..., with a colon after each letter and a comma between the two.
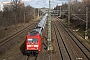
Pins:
x: 35, y: 45
x: 28, y: 45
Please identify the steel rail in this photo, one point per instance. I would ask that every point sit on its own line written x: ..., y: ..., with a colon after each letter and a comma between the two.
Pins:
x: 32, y: 57
x: 80, y: 45
x: 58, y: 42
x: 63, y: 42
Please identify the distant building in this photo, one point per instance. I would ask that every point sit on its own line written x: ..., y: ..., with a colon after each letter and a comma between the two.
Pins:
x: 1, y: 7
x: 45, y: 10
x: 8, y: 6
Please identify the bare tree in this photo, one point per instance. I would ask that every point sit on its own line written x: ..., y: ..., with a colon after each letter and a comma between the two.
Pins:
x: 16, y: 9
x: 16, y: 3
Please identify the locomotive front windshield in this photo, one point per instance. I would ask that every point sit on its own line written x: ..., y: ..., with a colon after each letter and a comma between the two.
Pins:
x: 33, y: 40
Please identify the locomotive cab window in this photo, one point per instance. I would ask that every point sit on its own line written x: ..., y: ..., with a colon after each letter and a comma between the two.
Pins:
x: 33, y: 40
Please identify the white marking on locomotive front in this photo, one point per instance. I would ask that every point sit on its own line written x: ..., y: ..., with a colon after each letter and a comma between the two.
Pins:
x: 35, y: 45
x: 28, y: 45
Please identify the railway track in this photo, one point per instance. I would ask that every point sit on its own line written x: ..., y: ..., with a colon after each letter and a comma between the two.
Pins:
x: 9, y: 38
x: 70, y: 48
x: 64, y: 54
x: 85, y: 50
x: 31, y: 57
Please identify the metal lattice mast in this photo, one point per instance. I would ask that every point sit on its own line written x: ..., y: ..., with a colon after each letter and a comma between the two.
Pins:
x: 49, y: 32
x: 69, y: 11
x: 24, y: 18
x: 38, y: 12
x: 60, y: 11
x: 49, y: 28
x: 86, y: 32
x: 34, y: 13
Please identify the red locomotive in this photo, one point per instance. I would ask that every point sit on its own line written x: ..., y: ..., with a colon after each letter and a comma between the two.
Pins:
x: 34, y: 39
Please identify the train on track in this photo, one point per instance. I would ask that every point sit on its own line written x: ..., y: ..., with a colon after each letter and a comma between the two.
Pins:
x: 34, y: 39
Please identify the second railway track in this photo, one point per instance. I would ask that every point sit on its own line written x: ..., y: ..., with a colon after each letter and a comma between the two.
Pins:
x: 69, y: 45
x: 64, y: 54
x: 85, y: 50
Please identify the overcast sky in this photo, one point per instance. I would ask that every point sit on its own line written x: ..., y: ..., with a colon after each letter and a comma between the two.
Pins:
x: 40, y: 3
x: 44, y: 3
